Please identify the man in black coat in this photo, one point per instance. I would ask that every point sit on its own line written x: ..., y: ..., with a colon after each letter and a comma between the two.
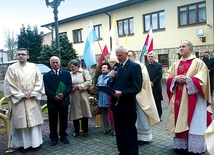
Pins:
x: 210, y: 65
x: 126, y: 82
x: 57, y: 101
x: 155, y: 73
x: 201, y: 55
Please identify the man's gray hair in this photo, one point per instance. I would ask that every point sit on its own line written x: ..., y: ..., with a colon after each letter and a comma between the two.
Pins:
x: 54, y: 57
x: 189, y: 44
x: 122, y: 48
x: 152, y: 53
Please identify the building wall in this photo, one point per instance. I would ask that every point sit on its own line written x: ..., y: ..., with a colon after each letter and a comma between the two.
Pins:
x: 166, y: 41
x: 84, y: 24
x: 47, y: 39
x: 173, y: 54
x: 161, y: 39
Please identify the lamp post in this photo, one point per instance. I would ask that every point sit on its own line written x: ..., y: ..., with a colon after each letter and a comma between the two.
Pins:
x: 54, y: 4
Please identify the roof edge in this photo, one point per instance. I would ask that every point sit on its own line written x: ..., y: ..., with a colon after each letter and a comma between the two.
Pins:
x: 95, y: 12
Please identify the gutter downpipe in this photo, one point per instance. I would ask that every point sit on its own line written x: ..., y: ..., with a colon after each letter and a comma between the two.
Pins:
x: 109, y: 28
x: 51, y: 32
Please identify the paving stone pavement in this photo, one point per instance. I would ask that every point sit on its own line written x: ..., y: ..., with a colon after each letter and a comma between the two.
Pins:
x: 98, y: 143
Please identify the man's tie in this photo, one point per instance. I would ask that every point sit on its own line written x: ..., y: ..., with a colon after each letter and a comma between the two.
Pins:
x: 56, y: 72
x: 121, y: 65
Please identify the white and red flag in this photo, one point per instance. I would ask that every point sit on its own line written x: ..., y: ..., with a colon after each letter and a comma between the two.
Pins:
x: 148, y: 45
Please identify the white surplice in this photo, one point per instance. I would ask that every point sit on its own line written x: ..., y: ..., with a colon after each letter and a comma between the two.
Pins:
x: 147, y: 114
x: 25, y: 114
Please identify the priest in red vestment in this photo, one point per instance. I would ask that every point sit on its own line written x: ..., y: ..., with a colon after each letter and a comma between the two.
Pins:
x: 189, y: 111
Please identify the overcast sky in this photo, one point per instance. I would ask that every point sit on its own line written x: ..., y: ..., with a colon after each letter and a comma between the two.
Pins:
x: 14, y: 13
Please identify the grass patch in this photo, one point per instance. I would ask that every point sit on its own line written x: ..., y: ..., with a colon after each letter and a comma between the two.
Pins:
x: 45, y: 111
x: 1, y: 94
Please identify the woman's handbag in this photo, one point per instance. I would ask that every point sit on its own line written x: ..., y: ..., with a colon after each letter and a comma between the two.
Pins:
x: 95, y: 110
x: 91, y: 89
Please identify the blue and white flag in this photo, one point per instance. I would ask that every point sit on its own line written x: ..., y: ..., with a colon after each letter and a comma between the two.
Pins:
x: 89, y: 52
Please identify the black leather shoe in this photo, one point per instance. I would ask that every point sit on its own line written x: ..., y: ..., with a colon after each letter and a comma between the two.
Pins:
x: 64, y: 140
x: 76, y: 134
x: 107, y: 131
x: 140, y: 142
x: 113, y: 133
x: 22, y: 150
x: 37, y: 148
x: 54, y: 142
x: 85, y: 134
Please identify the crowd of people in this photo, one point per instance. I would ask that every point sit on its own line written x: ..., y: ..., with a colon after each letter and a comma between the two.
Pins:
x: 125, y: 112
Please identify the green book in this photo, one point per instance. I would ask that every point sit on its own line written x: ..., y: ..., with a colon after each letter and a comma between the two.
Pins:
x: 61, y: 88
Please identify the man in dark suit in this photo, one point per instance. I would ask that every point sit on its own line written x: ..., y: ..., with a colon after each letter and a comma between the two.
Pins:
x: 126, y: 82
x: 210, y: 65
x: 201, y: 55
x: 57, y: 103
x: 155, y: 73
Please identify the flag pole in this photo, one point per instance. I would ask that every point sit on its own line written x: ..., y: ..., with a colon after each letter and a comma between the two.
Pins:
x: 99, y: 45
x: 148, y: 45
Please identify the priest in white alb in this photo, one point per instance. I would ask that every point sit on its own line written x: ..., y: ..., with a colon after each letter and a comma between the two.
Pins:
x: 147, y: 114
x: 23, y: 88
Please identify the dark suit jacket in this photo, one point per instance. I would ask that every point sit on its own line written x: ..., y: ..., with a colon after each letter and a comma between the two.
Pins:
x: 155, y: 74
x: 128, y: 80
x: 210, y: 64
x: 51, y: 82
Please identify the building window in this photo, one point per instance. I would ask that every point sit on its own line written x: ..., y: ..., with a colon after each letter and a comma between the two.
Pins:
x: 156, y: 19
x: 63, y: 33
x: 163, y: 59
x: 179, y: 56
x: 192, y: 14
x: 197, y: 54
x: 126, y: 27
x: 98, y: 31
x: 77, y: 36
x: 145, y: 58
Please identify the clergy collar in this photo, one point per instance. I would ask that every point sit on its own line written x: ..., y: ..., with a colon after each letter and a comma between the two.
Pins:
x: 185, y: 59
x: 191, y: 57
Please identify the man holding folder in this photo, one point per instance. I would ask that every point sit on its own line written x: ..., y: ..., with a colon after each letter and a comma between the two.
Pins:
x: 58, y: 85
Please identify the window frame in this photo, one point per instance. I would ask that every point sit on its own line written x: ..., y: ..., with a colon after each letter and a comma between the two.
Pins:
x: 187, y: 12
x: 99, y: 31
x: 146, y: 25
x: 76, y: 39
x: 121, y: 32
x: 164, y: 64
x: 63, y: 33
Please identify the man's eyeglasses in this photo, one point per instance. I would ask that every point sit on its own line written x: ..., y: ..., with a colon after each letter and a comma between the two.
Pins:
x: 19, y: 54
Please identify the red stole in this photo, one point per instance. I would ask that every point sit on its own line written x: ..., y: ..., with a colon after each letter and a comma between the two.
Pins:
x: 183, y: 68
